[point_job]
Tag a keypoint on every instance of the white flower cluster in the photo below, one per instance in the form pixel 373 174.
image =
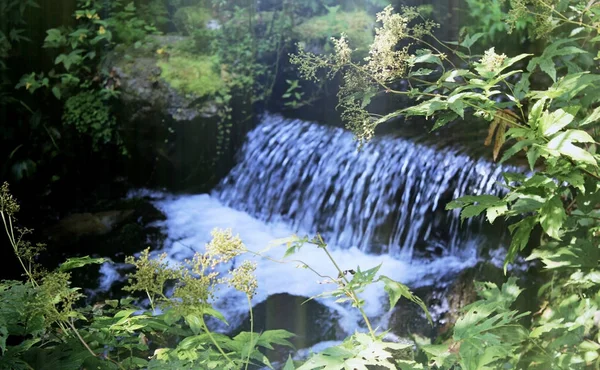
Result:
pixel 492 61
pixel 385 62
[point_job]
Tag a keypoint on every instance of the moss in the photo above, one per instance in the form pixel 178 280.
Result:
pixel 192 74
pixel 358 26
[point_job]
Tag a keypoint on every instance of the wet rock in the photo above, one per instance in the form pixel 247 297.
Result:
pixel 408 319
pixel 311 322
pixel 462 291
pixel 129 227
pixel 87 224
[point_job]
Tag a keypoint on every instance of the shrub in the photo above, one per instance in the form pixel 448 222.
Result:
pixel 357 25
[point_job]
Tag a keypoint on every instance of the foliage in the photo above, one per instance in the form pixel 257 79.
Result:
pixel 76 78
pixel 90 115
pixel 12 28
pixel 191 18
pixel 42 326
pixel 545 110
pixel 357 25
pixel 487 19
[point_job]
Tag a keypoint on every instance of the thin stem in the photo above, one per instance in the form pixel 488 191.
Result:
pixel 448 47
pixel 150 299
pixel 251 331
pixel 353 293
pixel 90 350
pixel 214 341
pixel 11 237
pixel 304 264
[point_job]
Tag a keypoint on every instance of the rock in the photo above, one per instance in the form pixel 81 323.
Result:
pixel 168 113
pixel 87 224
pixel 312 322
pixel 127 227
pixel 462 291
pixel 408 319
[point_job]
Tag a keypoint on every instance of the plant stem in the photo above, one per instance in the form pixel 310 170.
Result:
pixel 323 246
pixel 89 349
pixel 209 333
pixel 11 237
pixel 251 331
pixel 150 299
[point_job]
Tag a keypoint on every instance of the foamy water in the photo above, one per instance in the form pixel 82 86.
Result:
pixel 191 218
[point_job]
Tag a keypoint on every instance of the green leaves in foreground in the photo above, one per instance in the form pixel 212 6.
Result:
pixel 395 291
pixel 77 262
pixel 486 334
pixel 357 352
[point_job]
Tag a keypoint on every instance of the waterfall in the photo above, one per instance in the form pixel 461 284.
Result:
pixel 389 197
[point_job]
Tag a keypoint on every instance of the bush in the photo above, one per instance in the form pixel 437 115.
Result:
pixel 357 25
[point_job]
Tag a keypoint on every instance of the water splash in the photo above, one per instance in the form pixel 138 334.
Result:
pixel 387 198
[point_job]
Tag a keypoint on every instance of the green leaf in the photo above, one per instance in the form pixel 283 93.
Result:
pixel 3 337
pixel 195 323
pixel 532 156
pixel 545 61
pixel 470 40
pixel 593 117
pixel 536 112
pixel 458 107
pixel 551 123
pixel 515 149
pixel 425 56
pixel 396 290
pixel 496 211
pixel 56 92
pixel 563 144
pixel 421 72
pixel 289 364
pixel 520 237
pixel 77 262
pixel 522 87
pixel 472 211
pixel 588 200
pixel 552 217
pixel 443 119
pixel 214 313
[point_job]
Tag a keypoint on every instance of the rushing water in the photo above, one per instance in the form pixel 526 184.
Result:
pixel 387 198
pixel 300 177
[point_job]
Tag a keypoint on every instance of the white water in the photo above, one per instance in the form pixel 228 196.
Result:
pixel 375 206
pixel 191 218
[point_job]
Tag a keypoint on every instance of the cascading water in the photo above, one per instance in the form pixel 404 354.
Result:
pixel 295 176
pixel 388 197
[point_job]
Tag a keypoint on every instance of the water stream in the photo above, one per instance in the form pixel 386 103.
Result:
pixel 381 205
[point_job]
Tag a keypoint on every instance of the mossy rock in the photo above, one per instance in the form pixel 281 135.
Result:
pixel 357 25
pixel 192 74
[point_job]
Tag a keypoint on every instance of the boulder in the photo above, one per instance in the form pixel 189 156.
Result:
pixel 310 321
pixel 462 291
pixel 407 318
pixel 168 110
pixel 87 224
